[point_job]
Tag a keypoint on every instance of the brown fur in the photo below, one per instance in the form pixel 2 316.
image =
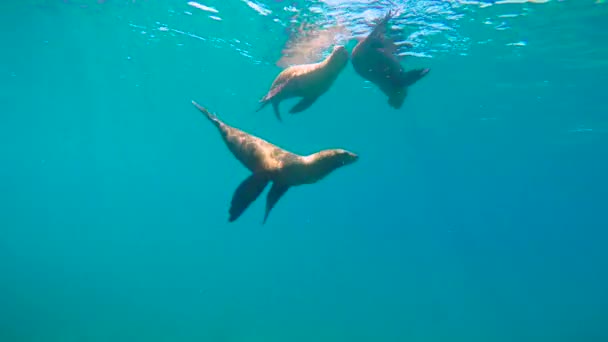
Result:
pixel 308 81
pixel 270 163
pixel 374 59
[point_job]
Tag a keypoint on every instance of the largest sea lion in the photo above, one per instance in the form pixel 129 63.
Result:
pixel 373 58
pixel 308 81
pixel 270 163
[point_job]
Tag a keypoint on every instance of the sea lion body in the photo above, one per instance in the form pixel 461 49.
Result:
pixel 308 81
pixel 374 59
pixel 270 163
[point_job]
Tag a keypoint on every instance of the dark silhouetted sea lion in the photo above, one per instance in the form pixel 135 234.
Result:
pixel 269 163
pixel 374 59
pixel 308 81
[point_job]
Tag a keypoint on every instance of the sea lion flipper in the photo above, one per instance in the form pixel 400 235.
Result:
pixel 276 192
pixel 380 27
pixel 262 105
pixel 389 46
pixel 246 193
pixel 277 113
pixel 408 78
pixel 303 104
pixel 212 117
pixel 276 88
pixel 270 98
pixel 378 40
pixel 275 108
pixel 397 97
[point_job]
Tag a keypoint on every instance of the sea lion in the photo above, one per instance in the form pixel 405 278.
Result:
pixel 373 58
pixel 308 81
pixel 269 163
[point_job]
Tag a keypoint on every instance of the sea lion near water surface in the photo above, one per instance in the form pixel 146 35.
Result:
pixel 308 81
pixel 270 163
pixel 374 59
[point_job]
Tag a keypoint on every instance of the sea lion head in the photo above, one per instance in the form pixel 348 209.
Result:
pixel 325 162
pixel 339 56
pixel 340 157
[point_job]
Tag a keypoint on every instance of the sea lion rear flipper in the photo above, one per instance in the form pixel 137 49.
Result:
pixel 380 27
pixel 246 193
pixel 378 40
pixel 276 192
pixel 275 89
pixel 277 113
pixel 262 105
pixel 212 117
pixel 275 108
pixel 397 98
pixel 303 104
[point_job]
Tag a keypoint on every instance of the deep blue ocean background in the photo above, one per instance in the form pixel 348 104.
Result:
pixel 477 212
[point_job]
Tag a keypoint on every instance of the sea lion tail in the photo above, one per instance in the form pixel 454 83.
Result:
pixel 208 114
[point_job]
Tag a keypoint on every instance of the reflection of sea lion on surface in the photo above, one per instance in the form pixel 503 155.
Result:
pixel 307 42
pixel 374 59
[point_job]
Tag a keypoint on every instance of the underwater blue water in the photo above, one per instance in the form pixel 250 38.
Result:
pixel 476 212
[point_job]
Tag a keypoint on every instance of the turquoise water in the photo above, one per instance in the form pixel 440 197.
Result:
pixel 477 212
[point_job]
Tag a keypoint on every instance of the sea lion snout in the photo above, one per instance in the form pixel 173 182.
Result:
pixel 340 52
pixel 352 156
pixel 347 157
pixel 339 48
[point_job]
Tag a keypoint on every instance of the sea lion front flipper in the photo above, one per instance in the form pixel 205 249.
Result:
pixel 408 78
pixel 276 192
pixel 303 104
pixel 246 193
pixel 388 46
